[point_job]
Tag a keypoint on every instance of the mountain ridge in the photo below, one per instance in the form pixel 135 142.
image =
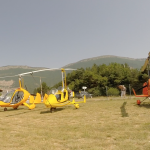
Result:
pixel 105 56
pixel 23 67
pixel 53 77
pixel 83 60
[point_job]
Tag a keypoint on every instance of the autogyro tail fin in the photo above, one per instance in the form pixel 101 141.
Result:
pixel 32 106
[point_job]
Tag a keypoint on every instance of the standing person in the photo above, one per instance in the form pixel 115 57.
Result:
pixel 123 91
pixel 121 88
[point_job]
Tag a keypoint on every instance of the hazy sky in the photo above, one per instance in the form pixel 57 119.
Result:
pixel 54 33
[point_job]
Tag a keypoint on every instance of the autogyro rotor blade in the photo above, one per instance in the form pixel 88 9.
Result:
pixel 141 88
pixel 69 69
pixel 9 76
pixel 23 74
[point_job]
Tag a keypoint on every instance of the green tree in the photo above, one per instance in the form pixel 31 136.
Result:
pixel 113 92
pixel 97 78
pixel 45 89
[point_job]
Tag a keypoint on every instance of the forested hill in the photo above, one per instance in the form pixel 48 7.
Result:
pixel 98 77
pixel 53 77
pixel 30 82
pixel 134 63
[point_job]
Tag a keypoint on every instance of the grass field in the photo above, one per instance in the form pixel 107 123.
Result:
pixel 112 124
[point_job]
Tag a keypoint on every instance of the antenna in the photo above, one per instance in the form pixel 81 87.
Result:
pixel 147 65
pixel 41 88
pixel 62 72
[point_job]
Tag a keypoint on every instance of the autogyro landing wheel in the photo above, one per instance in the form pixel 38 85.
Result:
pixel 5 109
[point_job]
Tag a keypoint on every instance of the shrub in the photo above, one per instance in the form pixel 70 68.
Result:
pixel 113 92
pixel 95 91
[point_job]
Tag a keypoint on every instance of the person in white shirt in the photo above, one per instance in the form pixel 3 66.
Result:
pixel 123 91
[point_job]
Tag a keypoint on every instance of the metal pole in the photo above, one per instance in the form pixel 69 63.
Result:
pixel 106 92
pixel 130 90
pixel 41 88
pixel 148 65
pixel 62 80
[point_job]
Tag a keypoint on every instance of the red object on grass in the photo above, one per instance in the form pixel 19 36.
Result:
pixel 138 102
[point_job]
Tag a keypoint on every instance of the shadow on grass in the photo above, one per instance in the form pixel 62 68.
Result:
pixel 146 105
pixel 27 111
pixel 11 110
pixel 17 114
pixel 54 110
pixel 123 110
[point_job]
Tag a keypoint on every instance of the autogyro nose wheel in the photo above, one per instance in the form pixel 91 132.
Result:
pixel 5 109
pixel 77 106
pixel 51 110
pixel 138 102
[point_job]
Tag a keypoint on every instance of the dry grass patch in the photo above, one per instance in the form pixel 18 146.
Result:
pixel 117 124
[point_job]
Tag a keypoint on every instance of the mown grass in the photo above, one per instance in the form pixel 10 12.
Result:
pixel 113 124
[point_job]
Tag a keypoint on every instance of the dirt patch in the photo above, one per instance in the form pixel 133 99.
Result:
pixel 4 83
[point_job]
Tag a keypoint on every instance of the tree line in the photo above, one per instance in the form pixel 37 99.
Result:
pixel 98 78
